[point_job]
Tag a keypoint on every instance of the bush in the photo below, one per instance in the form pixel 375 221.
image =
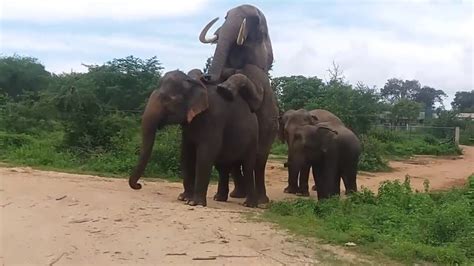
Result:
pixel 371 158
pixel 398 222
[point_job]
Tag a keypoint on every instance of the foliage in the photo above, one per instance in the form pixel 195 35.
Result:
pixel 372 159
pixel 398 222
pixel 464 101
pixel 405 110
pixel 346 103
pixel 20 75
pixel 296 92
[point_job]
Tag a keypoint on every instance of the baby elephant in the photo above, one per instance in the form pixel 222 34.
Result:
pixel 331 149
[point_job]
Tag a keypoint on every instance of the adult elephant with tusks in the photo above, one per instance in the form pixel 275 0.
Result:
pixel 243 39
pixel 214 131
pixel 244 46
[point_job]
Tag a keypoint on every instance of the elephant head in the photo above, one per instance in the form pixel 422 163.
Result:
pixel 291 120
pixel 178 100
pixel 242 39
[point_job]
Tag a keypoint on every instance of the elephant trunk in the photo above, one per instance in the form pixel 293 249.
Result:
pixel 227 39
pixel 151 120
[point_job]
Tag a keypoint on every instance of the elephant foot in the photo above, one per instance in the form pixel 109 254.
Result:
pixel 250 203
pixel 303 193
pixel 263 199
pixel 185 196
pixel 238 194
pixel 313 188
pixel 220 197
pixel 290 190
pixel 197 201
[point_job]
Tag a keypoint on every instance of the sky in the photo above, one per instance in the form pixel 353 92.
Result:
pixel 371 40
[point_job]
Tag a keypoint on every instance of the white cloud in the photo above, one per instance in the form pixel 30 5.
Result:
pixel 63 10
pixel 404 44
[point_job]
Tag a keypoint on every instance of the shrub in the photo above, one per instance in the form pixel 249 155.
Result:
pixel 371 158
pixel 398 222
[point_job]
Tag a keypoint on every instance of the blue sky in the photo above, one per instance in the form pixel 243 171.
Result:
pixel 372 41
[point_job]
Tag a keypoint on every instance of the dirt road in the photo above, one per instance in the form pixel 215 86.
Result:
pixel 51 218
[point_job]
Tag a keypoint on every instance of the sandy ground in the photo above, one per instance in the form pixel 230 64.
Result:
pixel 52 218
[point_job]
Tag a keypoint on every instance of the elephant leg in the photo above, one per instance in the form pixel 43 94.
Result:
pixel 205 158
pixel 260 165
pixel 223 185
pixel 328 181
pixel 188 164
pixel 349 176
pixel 303 189
pixel 248 167
pixel 239 184
pixel 313 168
pixel 293 172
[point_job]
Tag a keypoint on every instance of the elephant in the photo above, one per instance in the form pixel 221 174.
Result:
pixel 301 117
pixel 347 140
pixel 263 100
pixel 242 39
pixel 330 148
pixel 214 132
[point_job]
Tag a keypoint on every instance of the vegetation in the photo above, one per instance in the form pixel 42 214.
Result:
pixel 398 222
pixel 90 121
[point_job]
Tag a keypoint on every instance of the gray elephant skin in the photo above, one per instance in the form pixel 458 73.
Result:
pixel 244 46
pixel 241 40
pixel 214 132
pixel 331 149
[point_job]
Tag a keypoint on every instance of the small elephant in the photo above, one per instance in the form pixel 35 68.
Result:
pixel 302 117
pixel 214 132
pixel 331 149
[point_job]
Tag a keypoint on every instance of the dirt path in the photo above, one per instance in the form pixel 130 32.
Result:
pixel 51 218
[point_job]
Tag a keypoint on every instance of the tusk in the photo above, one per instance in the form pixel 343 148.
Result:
pixel 202 36
pixel 242 32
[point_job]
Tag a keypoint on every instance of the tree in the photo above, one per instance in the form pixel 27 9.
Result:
pixel 428 97
pixel 205 70
pixel 356 107
pixel 463 101
pixel 296 92
pixel 396 89
pixel 19 75
pixel 405 111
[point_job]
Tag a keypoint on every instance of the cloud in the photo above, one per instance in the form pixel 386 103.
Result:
pixel 60 10
pixel 404 41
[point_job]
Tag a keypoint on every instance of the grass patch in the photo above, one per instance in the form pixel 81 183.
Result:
pixel 398 222
pixel 47 152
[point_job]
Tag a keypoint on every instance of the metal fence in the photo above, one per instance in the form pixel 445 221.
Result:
pixel 443 134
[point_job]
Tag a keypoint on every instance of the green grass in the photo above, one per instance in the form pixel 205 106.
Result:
pixel 397 222
pixel 46 151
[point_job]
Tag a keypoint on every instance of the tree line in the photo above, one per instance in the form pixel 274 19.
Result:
pixel 99 111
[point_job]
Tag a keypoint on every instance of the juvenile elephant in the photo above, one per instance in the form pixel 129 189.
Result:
pixel 243 39
pixel 214 132
pixel 302 117
pixel 331 149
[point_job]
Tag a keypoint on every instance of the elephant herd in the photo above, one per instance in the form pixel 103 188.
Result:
pixel 230 118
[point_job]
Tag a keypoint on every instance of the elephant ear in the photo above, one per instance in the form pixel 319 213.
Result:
pixel 198 98
pixel 327 140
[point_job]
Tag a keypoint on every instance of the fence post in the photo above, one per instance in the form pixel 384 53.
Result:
pixel 456 135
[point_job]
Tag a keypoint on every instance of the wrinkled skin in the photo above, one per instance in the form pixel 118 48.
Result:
pixel 254 46
pixel 332 152
pixel 293 119
pixel 264 104
pixel 299 118
pixel 214 132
